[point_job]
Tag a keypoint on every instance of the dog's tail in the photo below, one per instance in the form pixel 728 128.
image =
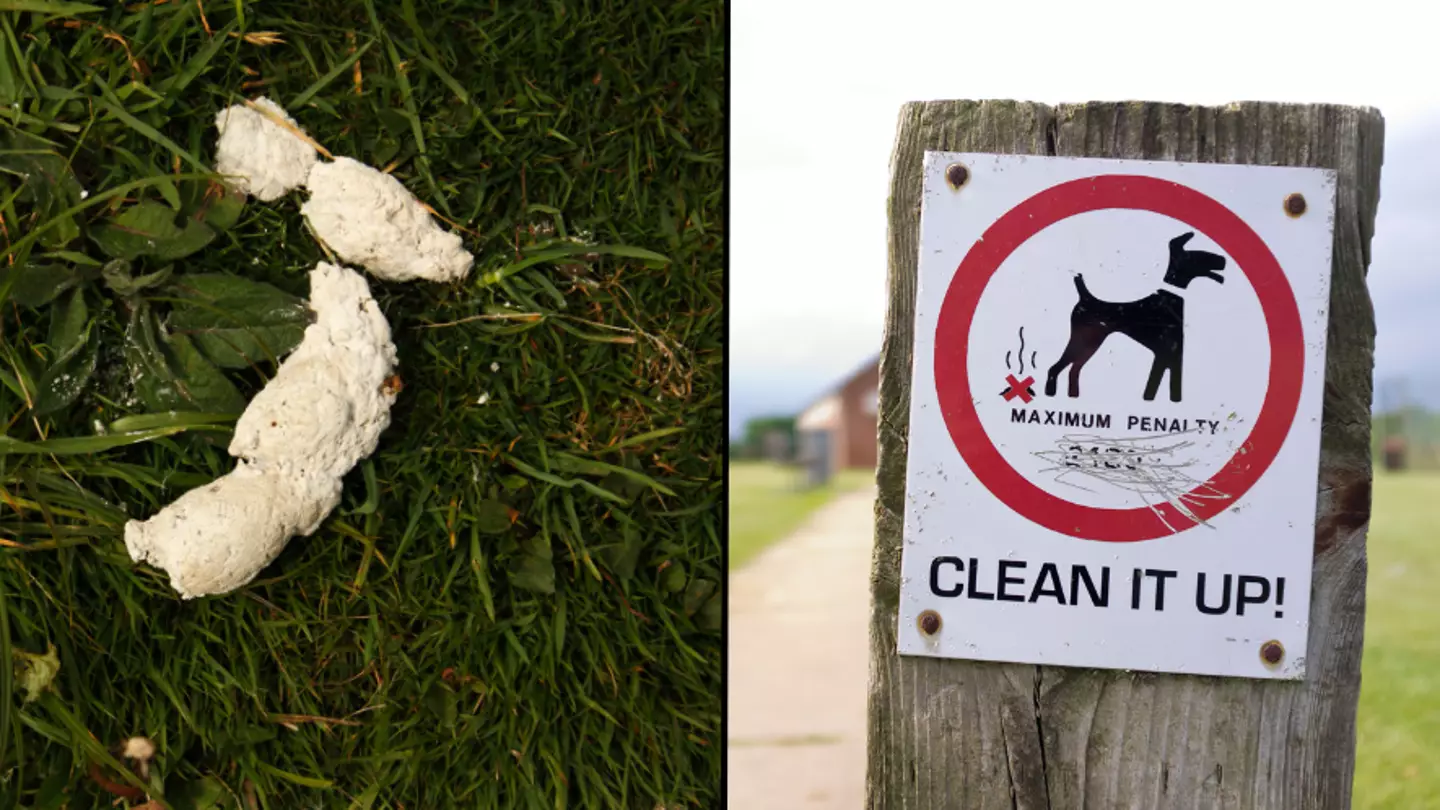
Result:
pixel 1082 289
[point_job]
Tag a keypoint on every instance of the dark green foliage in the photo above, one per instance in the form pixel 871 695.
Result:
pixel 517 604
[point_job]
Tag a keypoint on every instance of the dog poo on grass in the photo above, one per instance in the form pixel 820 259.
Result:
pixel 330 399
pixel 264 158
pixel 321 414
pixel 369 218
pixel 216 538
pixel 328 403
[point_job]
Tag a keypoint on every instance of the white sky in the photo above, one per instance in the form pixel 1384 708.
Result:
pixel 816 88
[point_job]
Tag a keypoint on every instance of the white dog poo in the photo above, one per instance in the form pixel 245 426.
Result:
pixel 264 159
pixel 369 218
pixel 330 399
pixel 216 538
pixel 326 407
pixel 321 414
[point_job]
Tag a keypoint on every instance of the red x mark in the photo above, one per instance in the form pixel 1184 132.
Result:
pixel 1019 388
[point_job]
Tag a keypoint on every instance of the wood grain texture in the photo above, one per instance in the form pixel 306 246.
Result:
pixel 975 735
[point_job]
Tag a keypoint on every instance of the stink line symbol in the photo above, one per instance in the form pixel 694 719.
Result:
pixel 1019 388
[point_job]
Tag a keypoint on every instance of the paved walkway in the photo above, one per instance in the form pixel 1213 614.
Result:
pixel 799 665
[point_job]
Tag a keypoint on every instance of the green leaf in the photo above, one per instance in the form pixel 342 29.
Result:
pixel 440 702
pixel 212 287
pixel 212 203
pixel 54 792
pixel 191 239
pixel 237 322
pixel 493 517
pixel 137 231
pixel 536 568
pixel 38 284
pixel 67 323
pixel 170 374
pixel 514 482
pixel 154 279
pixel 672 578
pixel 207 793
pixel 148 228
pixel 150 371
pixel 48 183
pixel 695 596
pixel 73 359
pixel 117 276
pixel 204 387
pixel 81 259
pixel 165 187
pixel 712 615
pixel 20 247
pixel 65 380
pixel 34 672
pixel 621 558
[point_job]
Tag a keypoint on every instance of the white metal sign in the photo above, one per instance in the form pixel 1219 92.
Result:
pixel 1115 413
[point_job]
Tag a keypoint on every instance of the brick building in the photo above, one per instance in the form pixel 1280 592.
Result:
pixel 842 424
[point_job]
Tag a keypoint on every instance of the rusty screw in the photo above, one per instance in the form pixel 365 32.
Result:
pixel 1295 204
pixel 1272 652
pixel 956 175
pixel 929 622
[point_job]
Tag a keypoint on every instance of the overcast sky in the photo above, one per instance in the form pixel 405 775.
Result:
pixel 817 86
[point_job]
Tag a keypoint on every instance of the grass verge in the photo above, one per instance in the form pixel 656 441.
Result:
pixel 767 503
pixel 1399 719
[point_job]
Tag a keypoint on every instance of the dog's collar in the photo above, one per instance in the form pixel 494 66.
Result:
pixel 1178 292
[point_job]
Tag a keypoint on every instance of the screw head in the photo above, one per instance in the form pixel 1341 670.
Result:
pixel 1295 204
pixel 929 622
pixel 956 175
pixel 1272 652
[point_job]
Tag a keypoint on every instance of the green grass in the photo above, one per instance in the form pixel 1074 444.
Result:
pixel 767 503
pixel 1399 719
pixel 1399 715
pixel 517 603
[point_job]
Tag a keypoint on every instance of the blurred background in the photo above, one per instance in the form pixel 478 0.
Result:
pixel 816 91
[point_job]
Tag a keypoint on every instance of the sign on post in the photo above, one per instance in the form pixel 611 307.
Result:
pixel 1115 413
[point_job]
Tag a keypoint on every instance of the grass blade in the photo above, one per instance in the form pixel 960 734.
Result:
pixel 553 253
pixel 49 7
pixel 324 81
pixel 197 65
pixel 111 103
pixel 84 445
pixel 585 466
pixel 153 421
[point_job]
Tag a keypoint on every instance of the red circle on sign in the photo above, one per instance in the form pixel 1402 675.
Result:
pixel 1282 322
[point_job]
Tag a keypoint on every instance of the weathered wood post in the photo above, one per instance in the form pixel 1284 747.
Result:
pixel 970 734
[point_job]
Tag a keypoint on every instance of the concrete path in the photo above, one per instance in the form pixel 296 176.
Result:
pixel 799 665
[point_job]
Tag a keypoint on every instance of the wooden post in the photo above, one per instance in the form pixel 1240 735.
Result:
pixel 972 735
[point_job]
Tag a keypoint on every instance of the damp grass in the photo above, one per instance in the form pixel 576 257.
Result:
pixel 517 602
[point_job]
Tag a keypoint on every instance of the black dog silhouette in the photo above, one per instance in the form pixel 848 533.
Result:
pixel 1156 321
